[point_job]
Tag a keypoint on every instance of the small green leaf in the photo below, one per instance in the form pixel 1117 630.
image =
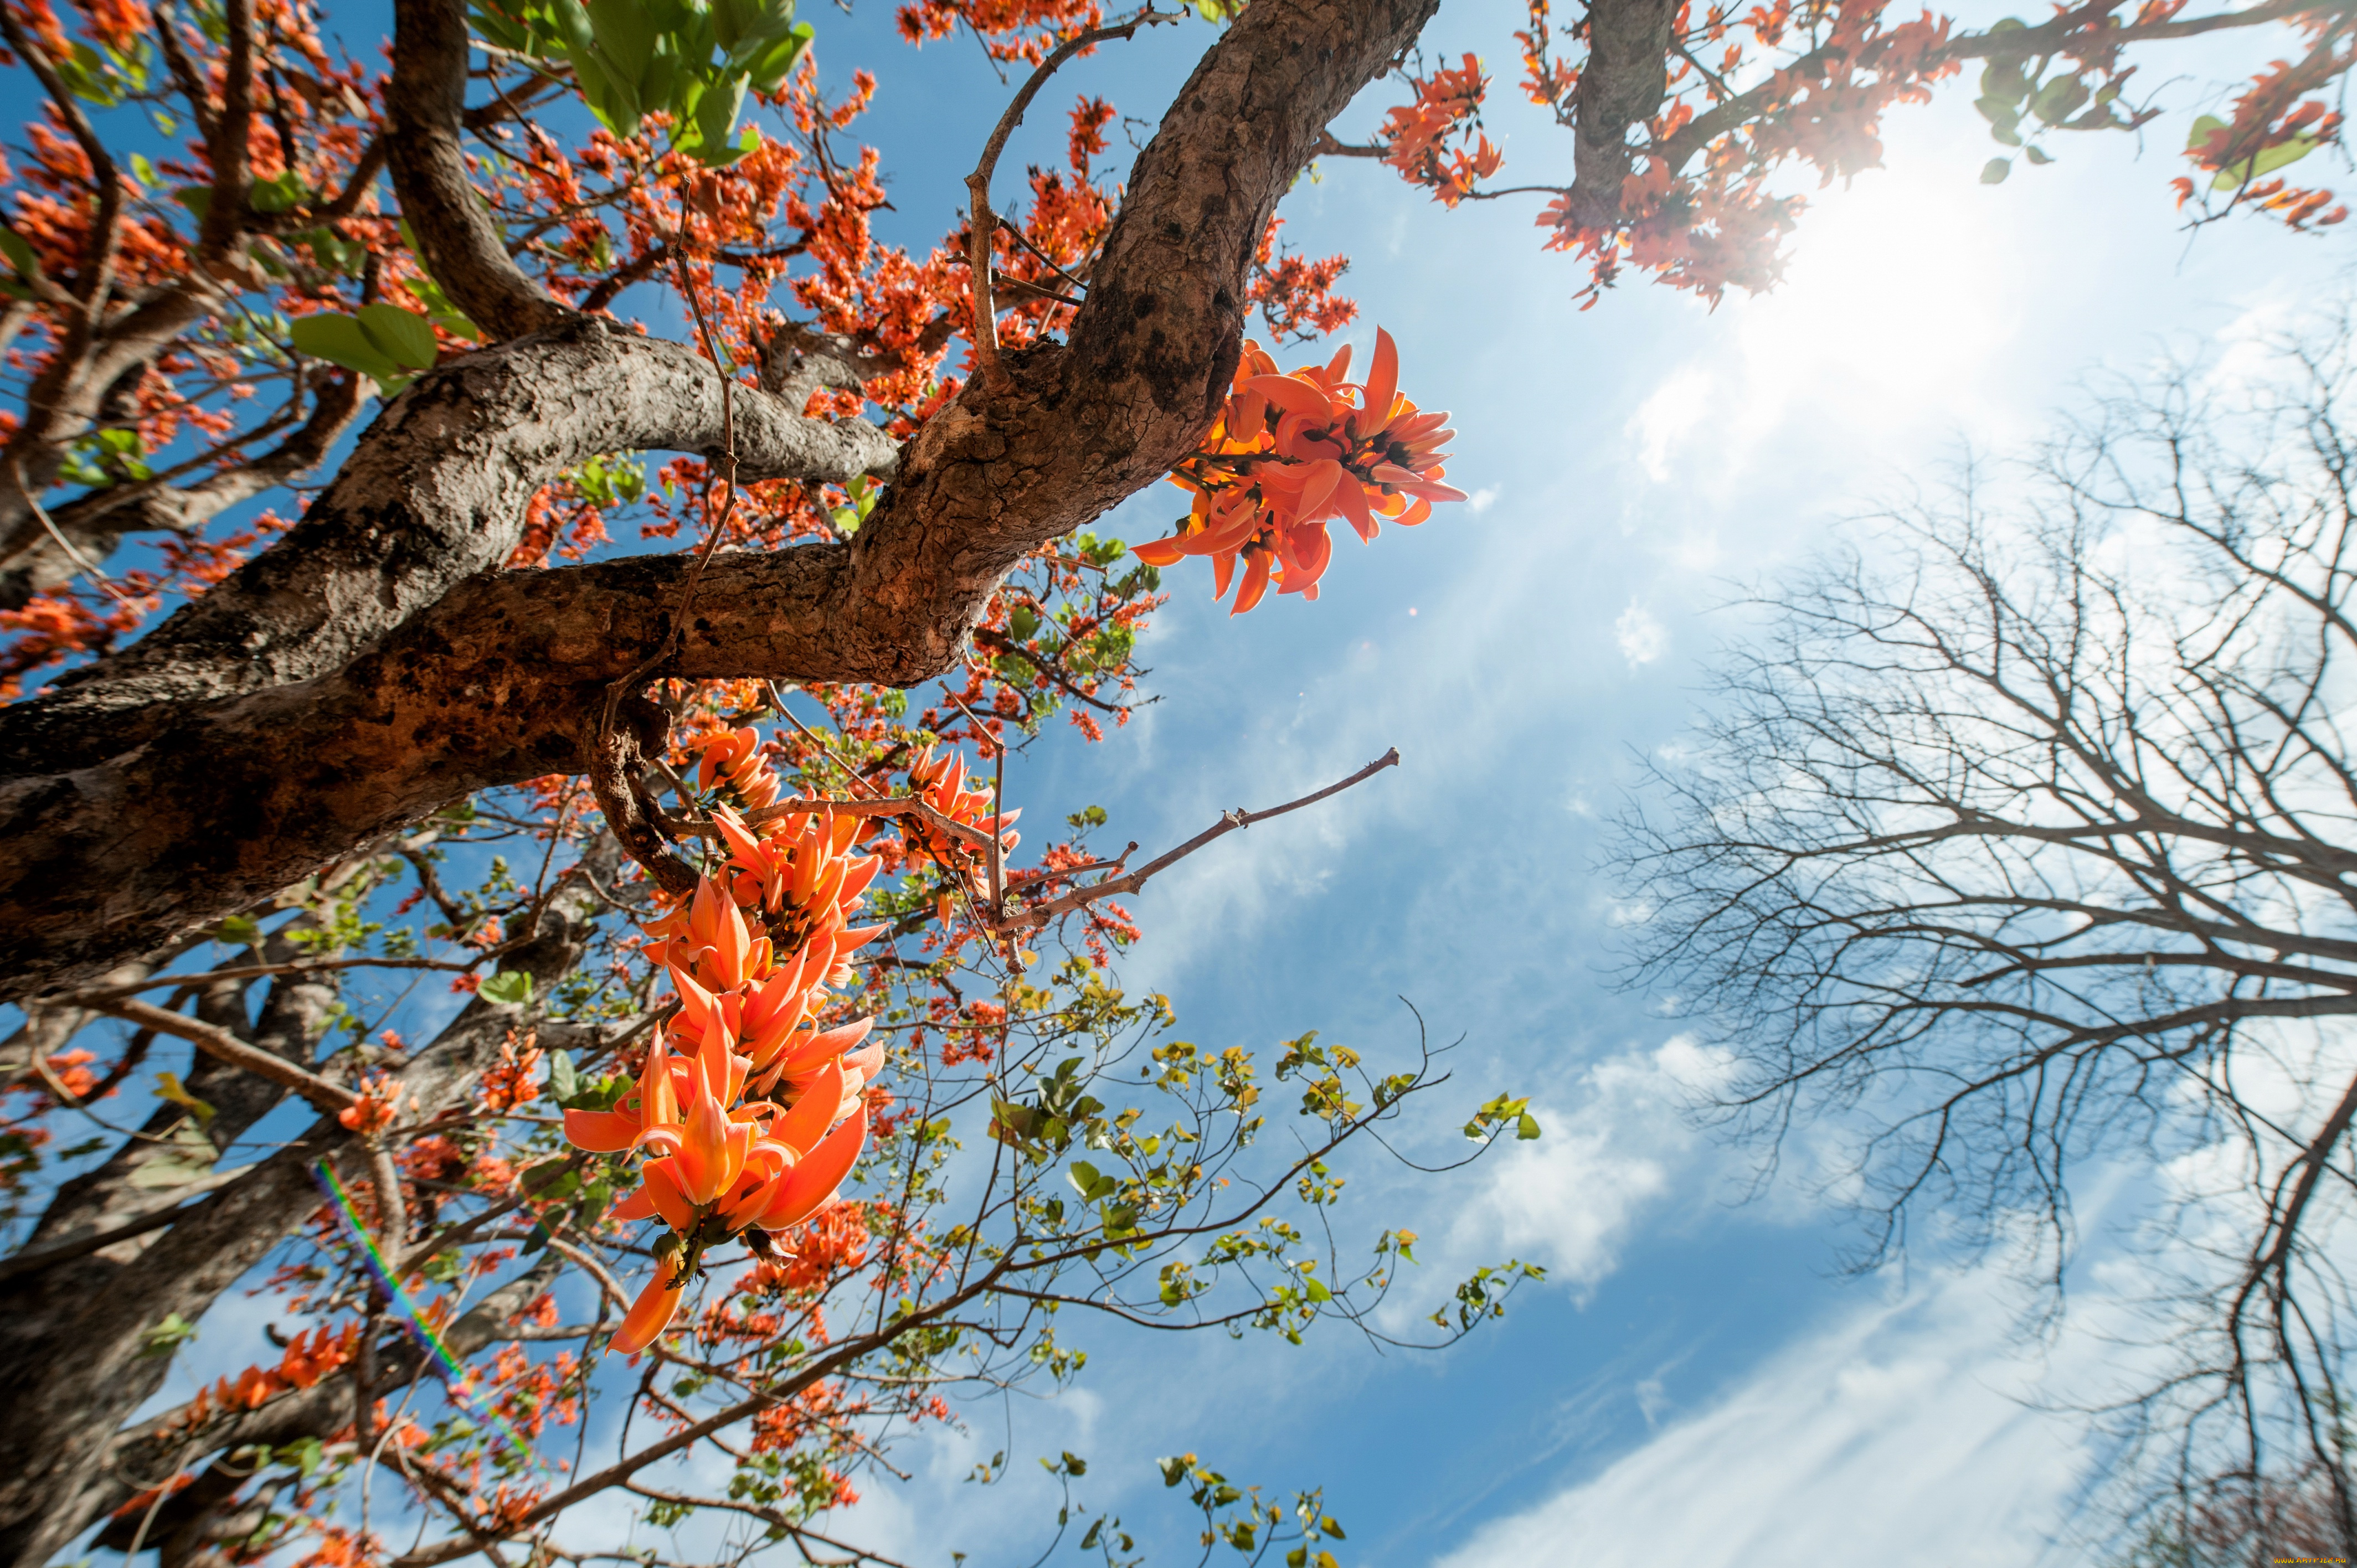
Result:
pixel 165 1337
pixel 1994 171
pixel 563 1083
pixel 2038 155
pixel 280 195
pixel 339 340
pixel 402 336
pixel 183 1159
pixel 2264 163
pixel 20 254
pixel 509 987
pixel 238 931
pixel 2059 99
pixel 1527 1127
pixel 167 1088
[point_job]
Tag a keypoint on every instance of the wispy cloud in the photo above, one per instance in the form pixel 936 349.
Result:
pixel 1641 638
pixel 1895 1435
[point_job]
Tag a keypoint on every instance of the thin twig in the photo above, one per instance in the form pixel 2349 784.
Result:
pixel 984 224
pixel 97 579
pixel 225 1046
pixel 1064 904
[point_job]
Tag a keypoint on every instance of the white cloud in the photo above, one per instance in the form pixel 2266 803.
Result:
pixel 1667 417
pixel 1481 501
pixel 1614 1145
pixel 1891 1437
pixel 1641 638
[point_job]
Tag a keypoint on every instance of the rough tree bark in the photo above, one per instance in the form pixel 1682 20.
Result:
pixel 377 662
pixel 72 1334
pixel 343 682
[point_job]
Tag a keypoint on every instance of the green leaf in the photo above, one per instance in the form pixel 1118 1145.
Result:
pixel 1527 1128
pixel 562 1083
pixel 238 931
pixel 715 120
pixel 2264 163
pixel 612 99
pixel 1074 1464
pixel 168 1089
pixel 768 70
pixel 509 987
pixel 339 340
pixel 2059 99
pixel 279 195
pixel 20 254
pixel 402 336
pixel 1174 1468
pixel 185 1159
pixel 625 33
pixel 2207 126
pixel 2038 155
pixel 165 1337
pixel 1994 171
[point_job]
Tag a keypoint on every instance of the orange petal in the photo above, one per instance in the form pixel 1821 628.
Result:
pixel 1295 397
pixel 1255 582
pixel 658 1105
pixel 640 1205
pixel 812 1182
pixel 650 1315
pixel 601 1131
pixel 1160 552
pixel 1352 500
pixel 800 1128
pixel 808 1051
pixel 664 1192
pixel 1383 378
pixel 702 1163
pixel 866 1061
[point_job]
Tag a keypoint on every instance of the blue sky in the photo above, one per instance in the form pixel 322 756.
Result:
pixel 1696 1383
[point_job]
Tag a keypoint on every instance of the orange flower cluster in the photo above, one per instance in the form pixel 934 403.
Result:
pixel 757 1115
pixel 940 783
pixel 309 1356
pixel 1447 103
pixel 513 1080
pixel 1293 452
pixel 375 1108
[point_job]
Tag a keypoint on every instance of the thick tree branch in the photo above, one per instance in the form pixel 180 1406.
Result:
pixel 426 105
pixel 291 680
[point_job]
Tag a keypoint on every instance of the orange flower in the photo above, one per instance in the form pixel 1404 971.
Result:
pixel 1291 454
pixel 650 1315
pixel 735 756
pixel 720 1162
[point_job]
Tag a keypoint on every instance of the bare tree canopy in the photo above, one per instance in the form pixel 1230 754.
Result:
pixel 2024 837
